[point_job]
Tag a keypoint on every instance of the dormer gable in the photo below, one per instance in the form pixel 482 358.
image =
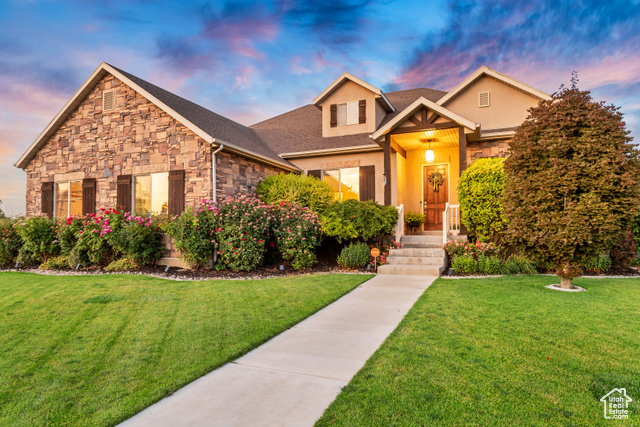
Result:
pixel 351 106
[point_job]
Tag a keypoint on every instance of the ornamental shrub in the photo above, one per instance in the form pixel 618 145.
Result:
pixel 122 264
pixel 455 248
pixel 10 242
pixel 78 257
pixel 572 181
pixel 305 191
pixel 352 219
pixel 194 233
pixel 465 264
pixel 38 235
pixel 598 265
pixel 244 225
pixel 489 265
pixel 356 255
pixel 624 251
pixel 480 191
pixel 67 233
pixel 56 263
pixel 297 233
pixel 140 240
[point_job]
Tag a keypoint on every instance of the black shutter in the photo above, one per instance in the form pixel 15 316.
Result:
pixel 124 192
pixel 334 115
pixel 315 173
pixel 367 183
pixel 362 110
pixel 88 196
pixel 46 201
pixel 176 192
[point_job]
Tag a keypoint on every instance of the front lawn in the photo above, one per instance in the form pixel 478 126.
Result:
pixel 502 351
pixel 95 350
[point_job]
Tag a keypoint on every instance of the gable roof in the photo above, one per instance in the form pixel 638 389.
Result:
pixel 417 105
pixel 208 125
pixel 486 71
pixel 343 78
pixel 299 132
pixel 622 391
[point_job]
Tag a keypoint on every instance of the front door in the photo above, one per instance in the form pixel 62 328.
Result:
pixel 436 195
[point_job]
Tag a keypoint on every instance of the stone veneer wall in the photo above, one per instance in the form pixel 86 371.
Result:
pixel 494 148
pixel 136 137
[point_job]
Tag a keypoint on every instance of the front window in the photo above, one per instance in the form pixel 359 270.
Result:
pixel 151 194
pixel 347 114
pixel 345 183
pixel 68 199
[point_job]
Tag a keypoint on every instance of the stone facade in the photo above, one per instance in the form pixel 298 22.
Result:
pixel 493 148
pixel 136 137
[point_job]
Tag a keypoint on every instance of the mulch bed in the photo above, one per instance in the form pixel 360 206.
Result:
pixel 176 273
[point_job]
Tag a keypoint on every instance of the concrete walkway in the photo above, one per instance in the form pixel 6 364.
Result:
pixel 292 379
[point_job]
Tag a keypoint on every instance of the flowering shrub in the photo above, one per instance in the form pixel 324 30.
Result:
pixel 194 233
pixel 297 233
pixel 67 232
pixel 38 234
pixel 456 248
pixel 98 238
pixel 384 251
pixel 244 223
pixel 139 240
pixel 10 242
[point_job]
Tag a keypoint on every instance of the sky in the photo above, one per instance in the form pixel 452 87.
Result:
pixel 253 60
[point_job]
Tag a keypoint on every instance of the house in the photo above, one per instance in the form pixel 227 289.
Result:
pixel 123 141
pixel 616 404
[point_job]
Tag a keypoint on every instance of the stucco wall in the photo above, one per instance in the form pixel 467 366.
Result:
pixel 507 106
pixel 350 92
pixel 134 138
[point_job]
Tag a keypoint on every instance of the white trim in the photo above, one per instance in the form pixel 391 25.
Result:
pixel 329 151
pixel 88 85
pixel 414 107
pixel 346 76
pixel 486 71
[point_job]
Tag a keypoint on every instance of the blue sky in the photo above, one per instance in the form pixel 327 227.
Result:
pixel 253 60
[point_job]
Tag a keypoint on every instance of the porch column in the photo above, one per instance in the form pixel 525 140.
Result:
pixel 462 159
pixel 462 149
pixel 387 169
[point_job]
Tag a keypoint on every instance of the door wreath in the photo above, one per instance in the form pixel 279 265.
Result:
pixel 436 180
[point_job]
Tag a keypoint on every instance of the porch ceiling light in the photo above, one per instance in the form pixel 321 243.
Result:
pixel 430 155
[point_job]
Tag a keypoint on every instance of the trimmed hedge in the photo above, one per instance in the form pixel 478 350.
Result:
pixel 305 191
pixel 480 190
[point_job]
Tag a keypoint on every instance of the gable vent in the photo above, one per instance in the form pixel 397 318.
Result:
pixel 483 99
pixel 108 100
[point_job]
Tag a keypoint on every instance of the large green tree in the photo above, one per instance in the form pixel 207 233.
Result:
pixel 572 181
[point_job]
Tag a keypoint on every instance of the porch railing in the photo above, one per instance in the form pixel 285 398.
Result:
pixel 400 224
pixel 450 221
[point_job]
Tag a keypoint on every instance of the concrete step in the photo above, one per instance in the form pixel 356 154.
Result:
pixel 406 260
pixel 421 242
pixel 411 270
pixel 417 252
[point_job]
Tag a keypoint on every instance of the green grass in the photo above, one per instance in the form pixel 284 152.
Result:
pixel 502 351
pixel 95 350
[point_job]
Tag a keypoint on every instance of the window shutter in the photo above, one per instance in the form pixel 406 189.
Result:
pixel 367 183
pixel 334 115
pixel 363 111
pixel 317 173
pixel 46 202
pixel 88 196
pixel 124 192
pixel 176 192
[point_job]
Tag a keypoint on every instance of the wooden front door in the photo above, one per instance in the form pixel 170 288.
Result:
pixel 436 195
